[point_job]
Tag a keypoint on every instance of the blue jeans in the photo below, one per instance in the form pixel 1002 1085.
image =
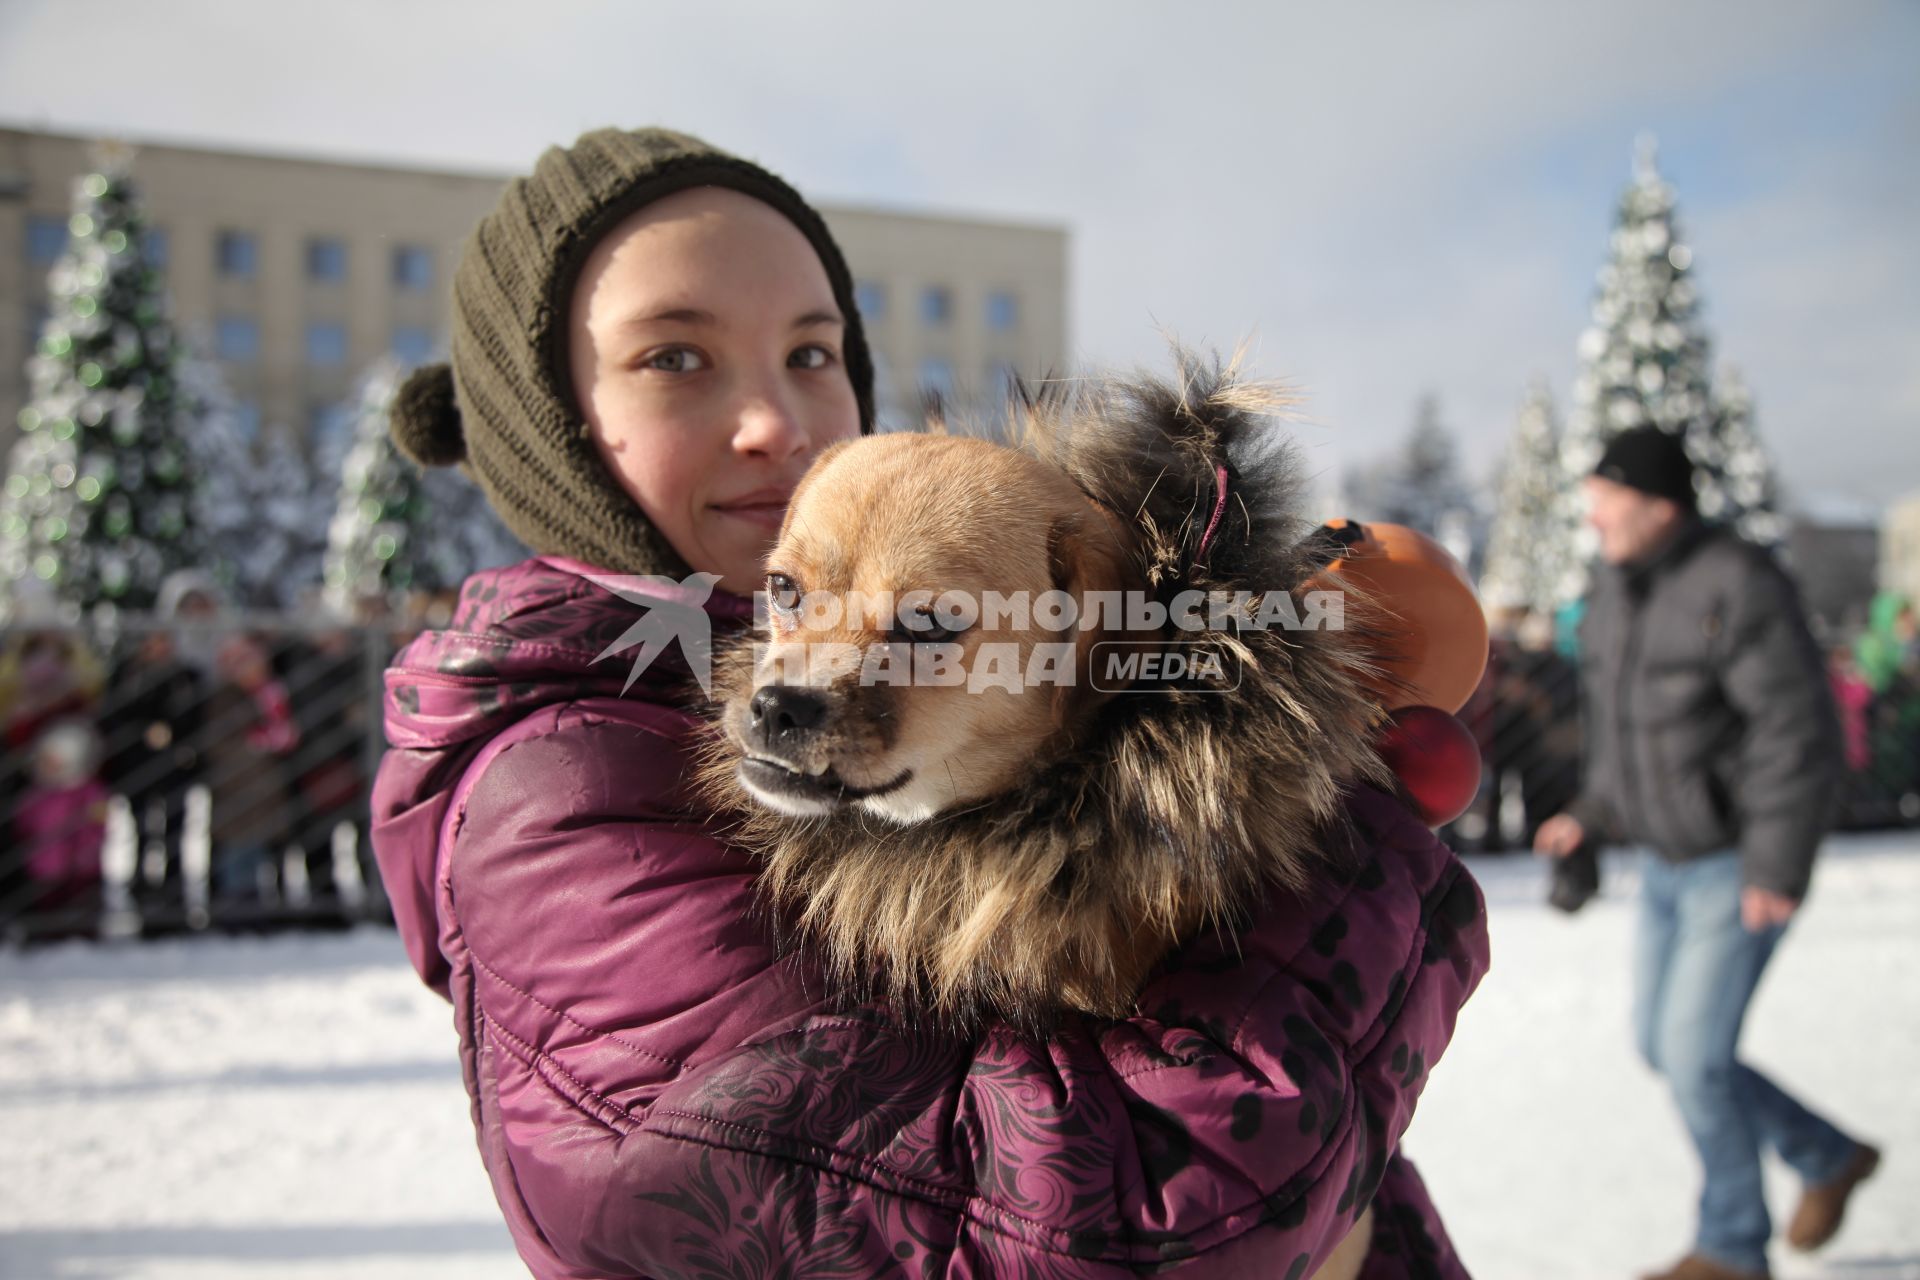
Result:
pixel 1695 969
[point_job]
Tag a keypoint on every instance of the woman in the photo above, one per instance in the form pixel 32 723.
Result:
pixel 652 341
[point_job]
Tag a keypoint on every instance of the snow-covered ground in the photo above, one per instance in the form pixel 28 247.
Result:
pixel 224 1108
pixel 1554 1154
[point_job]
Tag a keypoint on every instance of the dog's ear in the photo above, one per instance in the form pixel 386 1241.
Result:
pixel 1086 555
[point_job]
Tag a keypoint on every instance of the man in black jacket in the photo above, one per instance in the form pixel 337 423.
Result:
pixel 1711 740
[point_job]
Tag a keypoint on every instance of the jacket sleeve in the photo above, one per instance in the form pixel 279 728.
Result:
pixel 1594 812
pixel 1789 757
pixel 737 1122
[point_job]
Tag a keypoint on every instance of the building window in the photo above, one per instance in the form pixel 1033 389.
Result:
pixel 1003 311
pixel 326 342
pixel 411 344
pixel 412 267
pixel 936 306
pixel 157 247
pixel 236 338
pixel 1001 380
pixel 246 419
pixel 327 260
pixel 36 321
pixel 936 379
pixel 870 299
pixel 46 239
pixel 237 255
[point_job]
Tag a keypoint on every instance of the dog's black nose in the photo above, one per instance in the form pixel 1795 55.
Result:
pixel 782 712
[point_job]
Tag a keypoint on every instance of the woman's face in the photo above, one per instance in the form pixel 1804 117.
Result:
pixel 706 351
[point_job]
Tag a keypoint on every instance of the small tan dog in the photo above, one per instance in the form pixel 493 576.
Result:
pixel 1031 844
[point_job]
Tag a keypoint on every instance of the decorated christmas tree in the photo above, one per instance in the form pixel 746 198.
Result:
pixel 1528 551
pixel 396 531
pixel 1646 359
pixel 1739 485
pixel 376 537
pixel 98 501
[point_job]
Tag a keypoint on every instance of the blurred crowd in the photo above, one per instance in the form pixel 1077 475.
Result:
pixel 1876 688
pixel 236 753
pixel 1526 711
pixel 273 726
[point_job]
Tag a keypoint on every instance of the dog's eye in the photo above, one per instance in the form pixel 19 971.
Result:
pixel 923 627
pixel 783 593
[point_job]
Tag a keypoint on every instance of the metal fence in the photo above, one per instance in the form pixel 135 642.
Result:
pixel 161 778
pixel 168 778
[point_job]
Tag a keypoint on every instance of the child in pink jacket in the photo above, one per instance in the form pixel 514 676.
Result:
pixel 652 341
pixel 61 824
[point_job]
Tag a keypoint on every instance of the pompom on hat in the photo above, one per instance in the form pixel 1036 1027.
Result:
pixel 505 407
pixel 426 418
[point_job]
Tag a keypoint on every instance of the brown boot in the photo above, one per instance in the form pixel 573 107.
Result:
pixel 1697 1267
pixel 1821 1208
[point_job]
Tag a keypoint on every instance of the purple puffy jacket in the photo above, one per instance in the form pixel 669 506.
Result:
pixel 657 1094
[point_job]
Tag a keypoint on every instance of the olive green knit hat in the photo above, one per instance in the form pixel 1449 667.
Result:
pixel 505 408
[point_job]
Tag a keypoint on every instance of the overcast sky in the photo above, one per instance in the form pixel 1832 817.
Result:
pixel 1387 199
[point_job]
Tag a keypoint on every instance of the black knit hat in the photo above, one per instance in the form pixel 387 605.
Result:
pixel 505 407
pixel 1650 460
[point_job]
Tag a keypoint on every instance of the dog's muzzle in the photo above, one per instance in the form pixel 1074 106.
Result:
pixel 782 717
pixel 785 765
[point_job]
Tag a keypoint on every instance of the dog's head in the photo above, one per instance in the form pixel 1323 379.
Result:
pixel 917 657
pixel 1062 843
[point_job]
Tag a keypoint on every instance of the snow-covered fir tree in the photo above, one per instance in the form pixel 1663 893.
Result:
pixel 221 457
pixel 1420 485
pixel 261 508
pixel 394 530
pixel 466 536
pixel 294 506
pixel 98 501
pixel 1528 550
